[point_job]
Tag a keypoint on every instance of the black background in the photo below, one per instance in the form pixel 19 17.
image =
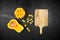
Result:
pixel 51 32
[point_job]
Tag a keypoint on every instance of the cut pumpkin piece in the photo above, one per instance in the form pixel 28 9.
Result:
pixel 13 24
pixel 19 13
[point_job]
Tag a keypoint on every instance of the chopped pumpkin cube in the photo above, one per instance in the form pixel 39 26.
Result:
pixel 30 15
pixel 23 20
pixel 24 25
pixel 30 19
pixel 28 29
pixel 27 20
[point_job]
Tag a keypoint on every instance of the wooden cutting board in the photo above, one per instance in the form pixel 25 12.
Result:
pixel 41 18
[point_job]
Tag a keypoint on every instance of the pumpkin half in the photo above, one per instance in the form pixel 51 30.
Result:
pixel 14 25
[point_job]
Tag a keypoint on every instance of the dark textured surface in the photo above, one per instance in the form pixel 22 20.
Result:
pixel 49 33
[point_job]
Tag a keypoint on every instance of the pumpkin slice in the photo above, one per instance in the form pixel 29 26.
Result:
pixel 19 13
